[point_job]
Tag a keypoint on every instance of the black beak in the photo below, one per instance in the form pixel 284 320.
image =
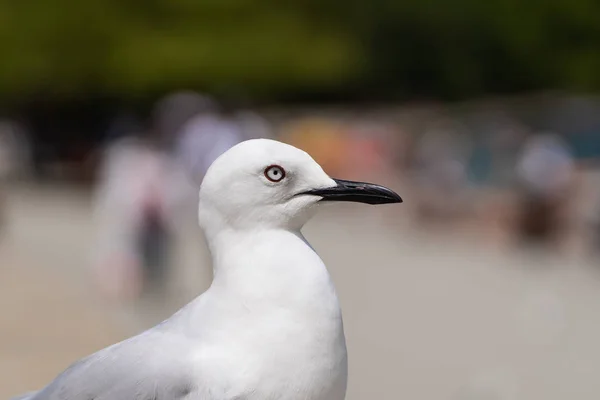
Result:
pixel 359 192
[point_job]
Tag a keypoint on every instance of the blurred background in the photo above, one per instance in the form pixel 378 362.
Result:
pixel 484 116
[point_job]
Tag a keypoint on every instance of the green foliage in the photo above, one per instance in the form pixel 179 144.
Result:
pixel 384 48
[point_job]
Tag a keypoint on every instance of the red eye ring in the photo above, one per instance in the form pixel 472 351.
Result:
pixel 274 173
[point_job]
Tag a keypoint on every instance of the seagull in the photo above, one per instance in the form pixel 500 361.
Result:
pixel 270 325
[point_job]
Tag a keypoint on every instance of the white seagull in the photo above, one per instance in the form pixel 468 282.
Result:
pixel 270 325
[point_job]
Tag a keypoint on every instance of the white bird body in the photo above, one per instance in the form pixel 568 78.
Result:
pixel 270 325
pixel 286 328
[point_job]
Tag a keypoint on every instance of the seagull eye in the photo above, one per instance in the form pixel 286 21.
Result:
pixel 274 173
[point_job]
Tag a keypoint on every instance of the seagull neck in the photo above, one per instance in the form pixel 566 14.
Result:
pixel 265 260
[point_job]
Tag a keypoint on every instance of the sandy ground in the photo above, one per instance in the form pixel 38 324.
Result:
pixel 427 316
pixel 46 318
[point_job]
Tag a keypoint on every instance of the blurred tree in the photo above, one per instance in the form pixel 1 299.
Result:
pixel 132 47
pixel 380 48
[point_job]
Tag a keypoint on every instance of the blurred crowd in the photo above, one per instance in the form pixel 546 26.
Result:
pixel 524 180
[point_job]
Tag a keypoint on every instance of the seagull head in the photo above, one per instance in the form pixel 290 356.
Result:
pixel 263 183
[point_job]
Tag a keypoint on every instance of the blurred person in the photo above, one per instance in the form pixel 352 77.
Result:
pixel 545 173
pixel 138 190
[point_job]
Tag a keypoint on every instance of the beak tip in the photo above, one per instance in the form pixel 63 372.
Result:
pixel 394 198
